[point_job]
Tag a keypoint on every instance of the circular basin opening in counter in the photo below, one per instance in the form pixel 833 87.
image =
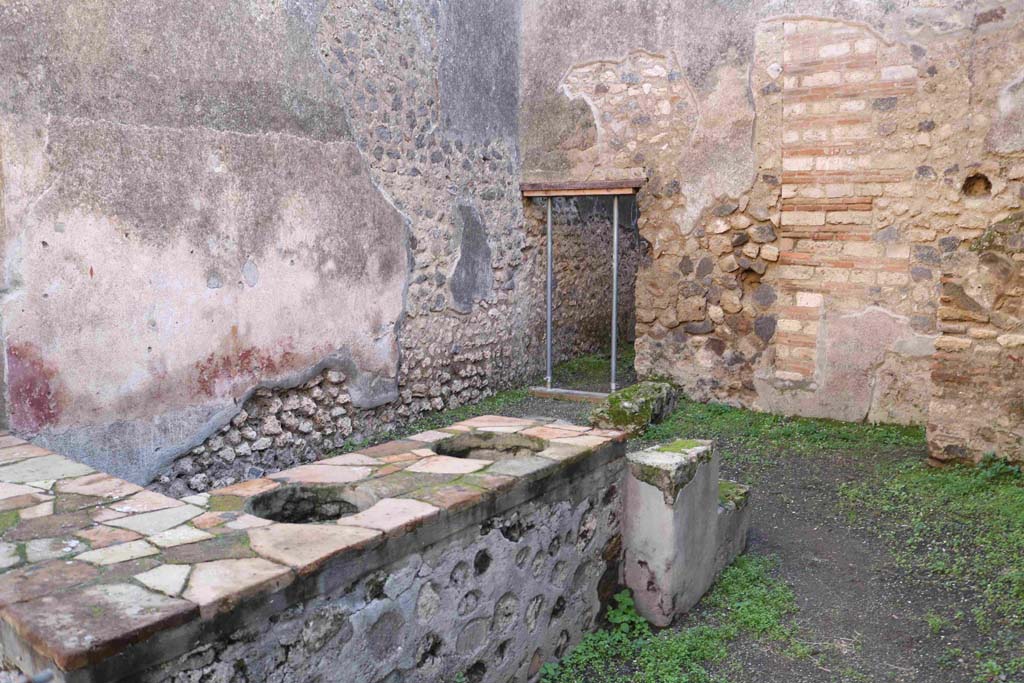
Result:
pixel 489 446
pixel 303 504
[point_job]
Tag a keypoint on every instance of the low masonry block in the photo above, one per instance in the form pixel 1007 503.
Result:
pixel 525 545
pixel 733 522
pixel 681 527
pixel 481 550
pixel 633 408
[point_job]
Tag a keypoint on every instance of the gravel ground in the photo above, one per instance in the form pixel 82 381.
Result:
pixel 863 618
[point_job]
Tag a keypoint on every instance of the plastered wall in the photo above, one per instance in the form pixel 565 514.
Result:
pixel 237 234
pixel 814 175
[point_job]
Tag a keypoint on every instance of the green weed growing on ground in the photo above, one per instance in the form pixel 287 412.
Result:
pixel 935 622
pixel 962 527
pixel 745 600
pixel 596 365
pixel 762 434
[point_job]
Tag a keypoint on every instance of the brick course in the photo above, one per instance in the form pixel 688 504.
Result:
pixel 815 288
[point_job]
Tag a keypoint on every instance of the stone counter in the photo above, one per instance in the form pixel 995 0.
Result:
pixel 397 562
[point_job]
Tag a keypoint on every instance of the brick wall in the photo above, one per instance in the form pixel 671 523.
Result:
pixel 806 195
pixel 837 93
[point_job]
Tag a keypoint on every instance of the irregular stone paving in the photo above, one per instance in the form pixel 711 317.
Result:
pixel 119 553
pixel 93 621
pixel 306 547
pixel 167 578
pixel 90 564
pixel 443 464
pixel 42 468
pixel 393 515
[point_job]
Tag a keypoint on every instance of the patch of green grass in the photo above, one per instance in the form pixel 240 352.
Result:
pixel 745 600
pixel 962 527
pixel 951 657
pixel 755 435
pixel 1000 658
pixel 731 492
pixel 935 623
pixel 750 598
pixel 595 366
pixel 993 670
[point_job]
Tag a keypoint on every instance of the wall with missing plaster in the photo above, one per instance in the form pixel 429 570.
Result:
pixel 180 230
pixel 811 172
pixel 238 236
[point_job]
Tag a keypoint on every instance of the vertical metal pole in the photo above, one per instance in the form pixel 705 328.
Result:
pixel 547 377
pixel 615 281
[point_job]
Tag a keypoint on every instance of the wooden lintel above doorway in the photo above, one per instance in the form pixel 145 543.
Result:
pixel 580 188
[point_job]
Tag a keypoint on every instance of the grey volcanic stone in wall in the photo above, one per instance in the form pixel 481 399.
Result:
pixel 493 601
pixel 583 271
pixel 424 122
pixel 233 200
pixel 730 265
pixel 473 277
pixel 473 318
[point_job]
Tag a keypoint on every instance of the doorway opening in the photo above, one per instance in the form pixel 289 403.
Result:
pixel 610 207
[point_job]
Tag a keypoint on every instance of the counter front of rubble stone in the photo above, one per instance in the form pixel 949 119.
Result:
pixel 103 579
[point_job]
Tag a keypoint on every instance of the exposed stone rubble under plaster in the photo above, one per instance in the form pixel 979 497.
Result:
pixel 486 548
pixel 814 184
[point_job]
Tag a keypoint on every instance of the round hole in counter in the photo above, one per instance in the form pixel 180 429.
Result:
pixel 303 504
pixel 489 446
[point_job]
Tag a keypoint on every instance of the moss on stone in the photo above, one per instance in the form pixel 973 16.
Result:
pixel 8 519
pixel 669 482
pixel 633 408
pixel 732 494
pixel 1006 236
pixel 226 503
pixel 464 481
pixel 679 445
pixel 668 469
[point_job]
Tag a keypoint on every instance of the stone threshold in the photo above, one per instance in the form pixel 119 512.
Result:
pixel 576 395
pixel 102 579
